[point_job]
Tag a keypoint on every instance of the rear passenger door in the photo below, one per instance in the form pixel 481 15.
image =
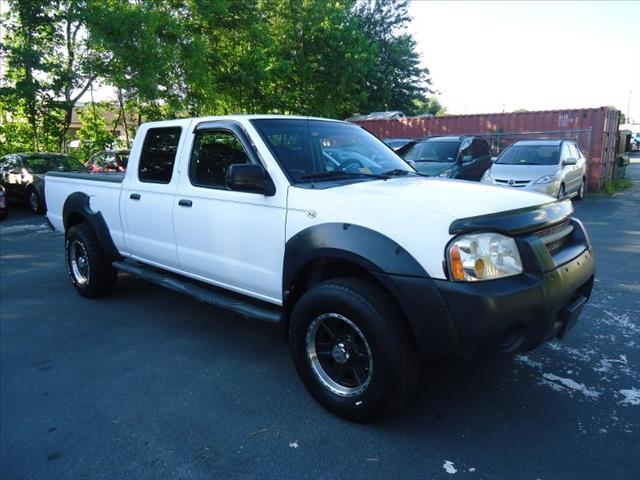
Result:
pixel 147 196
pixel 228 238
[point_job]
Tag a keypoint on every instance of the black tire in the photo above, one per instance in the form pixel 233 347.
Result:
pixel 94 276
pixel 561 192
pixel 394 361
pixel 580 194
pixel 34 201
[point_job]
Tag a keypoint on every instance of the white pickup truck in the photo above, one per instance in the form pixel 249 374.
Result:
pixel 317 225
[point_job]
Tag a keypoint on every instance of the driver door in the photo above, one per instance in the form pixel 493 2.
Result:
pixel 228 238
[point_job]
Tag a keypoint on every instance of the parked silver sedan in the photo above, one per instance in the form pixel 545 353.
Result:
pixel 555 167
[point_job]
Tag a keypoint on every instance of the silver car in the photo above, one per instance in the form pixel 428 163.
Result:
pixel 555 167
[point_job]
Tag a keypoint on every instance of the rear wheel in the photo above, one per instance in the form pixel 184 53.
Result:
pixel 352 349
pixel 89 268
pixel 35 201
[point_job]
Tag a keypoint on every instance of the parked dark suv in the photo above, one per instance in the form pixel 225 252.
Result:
pixel 22 175
pixel 462 157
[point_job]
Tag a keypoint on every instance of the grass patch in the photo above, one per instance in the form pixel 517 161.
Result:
pixel 616 185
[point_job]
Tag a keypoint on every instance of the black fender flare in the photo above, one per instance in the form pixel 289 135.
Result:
pixel 394 267
pixel 79 203
pixel 362 246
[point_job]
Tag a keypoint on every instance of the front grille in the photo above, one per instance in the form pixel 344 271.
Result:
pixel 556 236
pixel 512 183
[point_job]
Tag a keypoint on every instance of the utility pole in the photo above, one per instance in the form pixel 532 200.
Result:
pixel 628 106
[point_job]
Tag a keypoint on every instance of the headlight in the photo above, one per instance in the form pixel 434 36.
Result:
pixel 546 179
pixel 483 256
pixel 486 177
pixel 448 173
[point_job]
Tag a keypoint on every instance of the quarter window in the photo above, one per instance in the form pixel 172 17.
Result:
pixel 213 153
pixel 158 155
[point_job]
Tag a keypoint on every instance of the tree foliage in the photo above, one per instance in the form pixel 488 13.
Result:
pixel 94 134
pixel 174 58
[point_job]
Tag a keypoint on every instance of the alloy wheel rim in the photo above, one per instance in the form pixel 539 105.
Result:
pixel 339 355
pixel 79 260
pixel 33 201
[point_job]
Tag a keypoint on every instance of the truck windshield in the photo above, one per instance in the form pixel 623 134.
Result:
pixel 433 151
pixel 320 150
pixel 530 155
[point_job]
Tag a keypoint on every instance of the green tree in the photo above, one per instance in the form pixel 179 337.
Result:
pixel 24 90
pixel 94 134
pixel 397 79
pixel 426 106
pixel 50 64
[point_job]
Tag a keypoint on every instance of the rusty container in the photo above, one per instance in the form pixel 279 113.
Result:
pixel 595 130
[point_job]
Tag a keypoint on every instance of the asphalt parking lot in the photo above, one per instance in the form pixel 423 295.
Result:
pixel 148 384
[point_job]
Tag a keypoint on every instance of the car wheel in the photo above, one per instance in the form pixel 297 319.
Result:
pixel 35 201
pixel 89 268
pixel 352 349
pixel 561 192
pixel 581 190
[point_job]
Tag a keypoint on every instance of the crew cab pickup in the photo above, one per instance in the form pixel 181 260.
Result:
pixel 316 225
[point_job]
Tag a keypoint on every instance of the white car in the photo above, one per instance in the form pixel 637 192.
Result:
pixel 364 263
pixel 554 167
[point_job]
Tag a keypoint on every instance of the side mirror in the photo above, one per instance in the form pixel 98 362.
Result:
pixel 251 179
pixel 569 161
pixel 467 158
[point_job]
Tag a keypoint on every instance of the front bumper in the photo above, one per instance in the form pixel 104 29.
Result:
pixel 512 314
pixel 519 313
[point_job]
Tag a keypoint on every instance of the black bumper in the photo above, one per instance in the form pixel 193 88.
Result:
pixel 519 313
pixel 512 314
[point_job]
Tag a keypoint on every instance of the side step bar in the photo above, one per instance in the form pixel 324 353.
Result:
pixel 203 292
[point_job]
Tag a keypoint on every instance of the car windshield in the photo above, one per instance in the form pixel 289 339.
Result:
pixel 319 150
pixel 530 155
pixel 433 151
pixel 47 163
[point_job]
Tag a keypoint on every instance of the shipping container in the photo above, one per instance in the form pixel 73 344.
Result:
pixel 594 129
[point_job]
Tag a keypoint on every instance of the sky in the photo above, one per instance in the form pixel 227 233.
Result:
pixel 494 56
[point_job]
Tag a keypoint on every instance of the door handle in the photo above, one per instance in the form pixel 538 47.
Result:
pixel 134 196
pixel 185 203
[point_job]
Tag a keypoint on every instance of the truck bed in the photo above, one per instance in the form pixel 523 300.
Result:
pixel 103 189
pixel 113 177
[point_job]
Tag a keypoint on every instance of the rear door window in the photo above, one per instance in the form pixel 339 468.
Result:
pixel 159 154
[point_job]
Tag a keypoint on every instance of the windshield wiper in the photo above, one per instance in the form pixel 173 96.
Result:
pixel 396 172
pixel 339 174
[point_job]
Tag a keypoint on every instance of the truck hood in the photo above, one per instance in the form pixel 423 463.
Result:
pixel 415 212
pixel 453 198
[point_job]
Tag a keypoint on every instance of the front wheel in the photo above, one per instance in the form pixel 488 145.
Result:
pixel 581 190
pixel 352 350
pixel 89 267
